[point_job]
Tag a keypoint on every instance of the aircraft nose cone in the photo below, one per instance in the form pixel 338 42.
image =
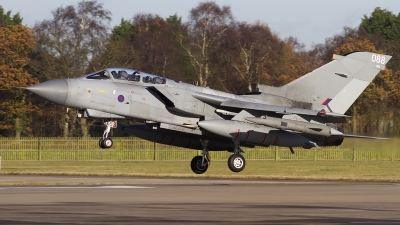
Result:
pixel 54 90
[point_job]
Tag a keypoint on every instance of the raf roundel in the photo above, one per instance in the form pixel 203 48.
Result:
pixel 121 98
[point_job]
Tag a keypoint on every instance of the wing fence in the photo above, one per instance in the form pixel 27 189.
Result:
pixel 135 149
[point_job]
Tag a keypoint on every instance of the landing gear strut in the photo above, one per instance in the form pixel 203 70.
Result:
pixel 199 164
pixel 236 162
pixel 105 141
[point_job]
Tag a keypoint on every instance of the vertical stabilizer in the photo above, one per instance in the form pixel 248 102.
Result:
pixel 336 85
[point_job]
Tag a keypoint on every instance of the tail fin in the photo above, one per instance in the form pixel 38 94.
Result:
pixel 336 85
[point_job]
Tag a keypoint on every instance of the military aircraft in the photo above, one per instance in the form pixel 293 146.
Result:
pixel 301 113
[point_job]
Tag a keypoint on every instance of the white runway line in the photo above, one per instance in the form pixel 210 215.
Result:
pixel 77 187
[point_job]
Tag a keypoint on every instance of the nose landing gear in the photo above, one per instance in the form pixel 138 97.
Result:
pixel 106 141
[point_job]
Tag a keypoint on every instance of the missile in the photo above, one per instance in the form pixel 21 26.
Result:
pixel 298 126
pixel 255 133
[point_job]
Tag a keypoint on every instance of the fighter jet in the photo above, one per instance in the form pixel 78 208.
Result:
pixel 301 113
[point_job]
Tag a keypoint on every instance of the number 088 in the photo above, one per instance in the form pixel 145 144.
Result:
pixel 378 59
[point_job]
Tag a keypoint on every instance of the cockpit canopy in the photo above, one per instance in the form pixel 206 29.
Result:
pixel 99 75
pixel 126 75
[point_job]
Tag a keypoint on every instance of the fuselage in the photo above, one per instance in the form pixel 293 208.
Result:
pixel 144 96
pixel 125 93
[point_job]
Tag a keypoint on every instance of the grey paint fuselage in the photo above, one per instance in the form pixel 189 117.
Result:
pixel 133 99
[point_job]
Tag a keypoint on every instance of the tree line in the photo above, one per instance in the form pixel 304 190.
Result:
pixel 211 48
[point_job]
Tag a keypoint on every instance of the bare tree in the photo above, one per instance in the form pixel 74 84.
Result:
pixel 245 48
pixel 151 43
pixel 207 23
pixel 67 43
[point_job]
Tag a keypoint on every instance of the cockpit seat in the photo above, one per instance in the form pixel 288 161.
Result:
pixel 134 77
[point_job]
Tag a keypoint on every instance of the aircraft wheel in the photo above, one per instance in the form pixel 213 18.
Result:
pixel 196 165
pixel 236 163
pixel 107 143
pixel 101 144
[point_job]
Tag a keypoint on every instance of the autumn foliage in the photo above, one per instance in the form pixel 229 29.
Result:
pixel 16 42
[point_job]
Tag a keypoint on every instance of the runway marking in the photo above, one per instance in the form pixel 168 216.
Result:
pixel 120 187
pixel 376 222
pixel 347 210
pixel 78 187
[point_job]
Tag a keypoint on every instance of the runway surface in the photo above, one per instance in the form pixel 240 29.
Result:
pixel 196 201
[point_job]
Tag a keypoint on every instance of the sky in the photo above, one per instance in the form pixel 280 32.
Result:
pixel 310 21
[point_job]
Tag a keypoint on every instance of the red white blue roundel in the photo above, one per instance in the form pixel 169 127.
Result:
pixel 121 98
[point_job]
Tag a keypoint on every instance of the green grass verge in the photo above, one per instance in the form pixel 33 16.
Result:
pixel 383 171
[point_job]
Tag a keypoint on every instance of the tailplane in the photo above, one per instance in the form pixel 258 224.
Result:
pixel 335 86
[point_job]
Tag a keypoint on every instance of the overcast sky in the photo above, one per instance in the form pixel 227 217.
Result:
pixel 311 21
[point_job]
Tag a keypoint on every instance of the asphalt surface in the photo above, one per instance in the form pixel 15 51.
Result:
pixel 115 200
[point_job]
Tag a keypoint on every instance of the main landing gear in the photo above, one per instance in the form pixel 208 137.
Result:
pixel 236 161
pixel 106 141
pixel 199 164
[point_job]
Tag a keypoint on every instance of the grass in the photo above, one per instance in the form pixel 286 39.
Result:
pixel 382 171
pixel 371 170
pixel 372 144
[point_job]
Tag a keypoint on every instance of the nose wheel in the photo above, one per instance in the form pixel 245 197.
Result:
pixel 106 141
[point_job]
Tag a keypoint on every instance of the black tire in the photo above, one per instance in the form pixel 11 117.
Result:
pixel 196 165
pixel 108 143
pixel 101 143
pixel 236 163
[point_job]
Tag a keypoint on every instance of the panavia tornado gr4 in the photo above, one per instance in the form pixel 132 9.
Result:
pixel 301 113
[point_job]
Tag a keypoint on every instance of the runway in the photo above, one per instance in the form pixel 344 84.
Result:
pixel 123 200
